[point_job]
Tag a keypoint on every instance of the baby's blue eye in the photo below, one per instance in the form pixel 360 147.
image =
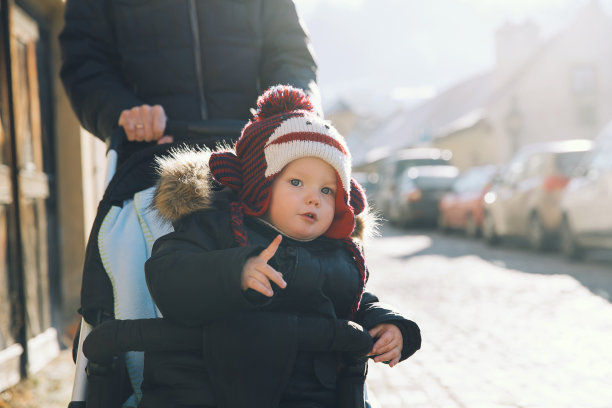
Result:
pixel 326 190
pixel 295 182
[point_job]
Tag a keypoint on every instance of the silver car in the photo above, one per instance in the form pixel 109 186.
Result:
pixel 524 200
pixel 587 203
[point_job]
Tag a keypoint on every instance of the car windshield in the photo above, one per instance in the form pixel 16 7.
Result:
pixel 434 183
pixel 404 164
pixel 567 162
pixel 432 177
pixel 474 179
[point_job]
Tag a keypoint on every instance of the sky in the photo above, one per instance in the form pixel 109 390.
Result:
pixel 412 49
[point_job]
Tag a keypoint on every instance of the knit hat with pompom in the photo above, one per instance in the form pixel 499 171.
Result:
pixel 284 128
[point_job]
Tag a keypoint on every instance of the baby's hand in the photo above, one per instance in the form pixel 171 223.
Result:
pixel 257 274
pixel 388 345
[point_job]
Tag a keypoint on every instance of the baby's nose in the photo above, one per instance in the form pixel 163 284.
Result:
pixel 313 200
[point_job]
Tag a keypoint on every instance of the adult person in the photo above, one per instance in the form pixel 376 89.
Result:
pixel 135 63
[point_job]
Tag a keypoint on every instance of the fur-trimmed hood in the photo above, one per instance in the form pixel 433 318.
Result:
pixel 184 187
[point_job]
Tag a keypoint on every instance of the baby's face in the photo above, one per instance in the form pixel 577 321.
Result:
pixel 303 198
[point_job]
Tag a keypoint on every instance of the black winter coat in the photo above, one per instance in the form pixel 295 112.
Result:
pixel 198 59
pixel 194 278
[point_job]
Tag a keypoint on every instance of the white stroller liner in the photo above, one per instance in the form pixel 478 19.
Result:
pixel 128 232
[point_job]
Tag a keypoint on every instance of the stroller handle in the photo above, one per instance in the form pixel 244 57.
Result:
pixel 207 132
pixel 204 131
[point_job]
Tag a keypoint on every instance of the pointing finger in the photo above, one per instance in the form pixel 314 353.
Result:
pixel 269 252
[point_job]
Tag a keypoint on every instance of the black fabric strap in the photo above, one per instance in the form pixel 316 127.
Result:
pixel 113 337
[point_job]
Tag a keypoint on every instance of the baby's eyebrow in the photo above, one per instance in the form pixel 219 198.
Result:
pixel 330 183
pixel 298 174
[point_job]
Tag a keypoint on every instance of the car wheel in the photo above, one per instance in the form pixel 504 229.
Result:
pixel 538 238
pixel 569 247
pixel 471 228
pixel 488 230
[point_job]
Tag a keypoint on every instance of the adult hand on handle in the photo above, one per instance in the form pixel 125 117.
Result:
pixel 257 274
pixel 145 123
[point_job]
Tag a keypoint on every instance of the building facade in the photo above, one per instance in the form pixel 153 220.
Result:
pixel 539 90
pixel 51 176
pixel 556 89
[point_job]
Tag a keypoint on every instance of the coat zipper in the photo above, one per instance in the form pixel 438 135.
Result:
pixel 195 31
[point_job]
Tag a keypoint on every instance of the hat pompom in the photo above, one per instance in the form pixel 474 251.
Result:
pixel 281 99
pixel 225 168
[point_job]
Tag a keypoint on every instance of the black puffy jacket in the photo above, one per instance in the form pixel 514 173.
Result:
pixel 198 59
pixel 194 277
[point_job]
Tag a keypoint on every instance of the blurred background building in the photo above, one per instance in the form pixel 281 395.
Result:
pixel 538 90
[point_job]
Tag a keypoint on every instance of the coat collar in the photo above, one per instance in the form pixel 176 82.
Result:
pixel 185 186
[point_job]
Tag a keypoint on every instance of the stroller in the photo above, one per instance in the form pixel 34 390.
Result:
pixel 113 286
pixel 118 313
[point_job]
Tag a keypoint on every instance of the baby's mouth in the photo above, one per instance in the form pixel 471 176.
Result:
pixel 312 216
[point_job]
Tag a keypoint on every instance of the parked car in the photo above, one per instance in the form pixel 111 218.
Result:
pixel 462 206
pixel 586 203
pixel 525 199
pixel 369 182
pixel 391 168
pixel 419 191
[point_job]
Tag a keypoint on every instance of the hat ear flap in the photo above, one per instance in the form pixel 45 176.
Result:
pixel 225 168
pixel 358 199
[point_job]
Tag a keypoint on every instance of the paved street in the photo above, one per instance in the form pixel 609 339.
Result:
pixel 502 327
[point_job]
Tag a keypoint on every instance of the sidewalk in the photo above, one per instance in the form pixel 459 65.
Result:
pixel 51 387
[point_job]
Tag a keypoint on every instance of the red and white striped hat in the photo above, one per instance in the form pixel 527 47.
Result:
pixel 285 128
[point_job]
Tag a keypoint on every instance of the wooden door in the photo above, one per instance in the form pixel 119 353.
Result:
pixel 33 182
pixel 27 340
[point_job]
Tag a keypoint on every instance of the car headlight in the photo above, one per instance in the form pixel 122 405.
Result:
pixel 490 197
